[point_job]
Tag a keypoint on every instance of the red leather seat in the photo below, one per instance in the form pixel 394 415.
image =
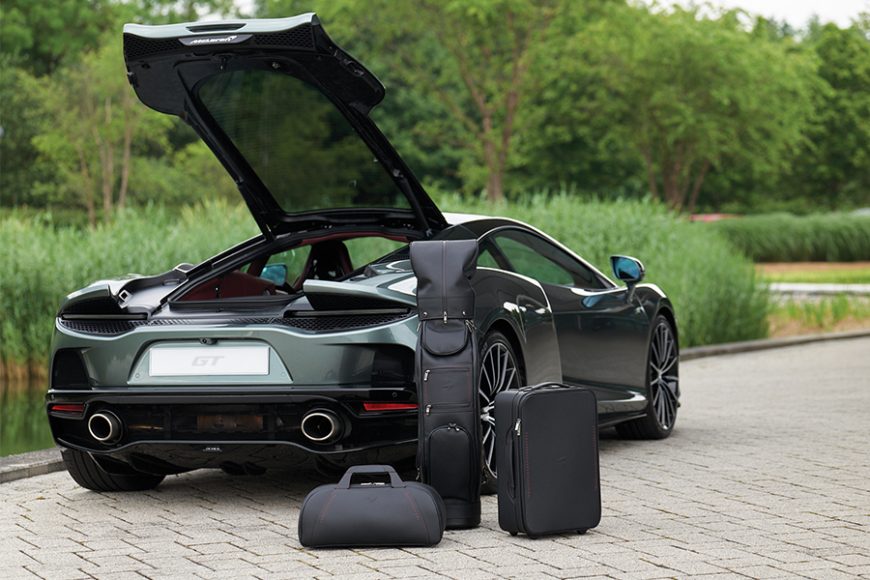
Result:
pixel 235 284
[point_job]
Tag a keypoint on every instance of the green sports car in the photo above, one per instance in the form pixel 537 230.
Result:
pixel 289 345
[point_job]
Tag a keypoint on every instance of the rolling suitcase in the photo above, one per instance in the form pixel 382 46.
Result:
pixel 547 457
pixel 448 451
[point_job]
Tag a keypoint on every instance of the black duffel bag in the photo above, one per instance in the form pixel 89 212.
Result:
pixel 372 513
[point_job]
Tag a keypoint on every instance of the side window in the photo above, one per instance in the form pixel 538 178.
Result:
pixel 536 258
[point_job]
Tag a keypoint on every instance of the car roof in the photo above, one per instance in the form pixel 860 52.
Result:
pixel 480 225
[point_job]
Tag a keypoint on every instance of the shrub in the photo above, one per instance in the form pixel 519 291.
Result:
pixel 714 289
pixel 831 237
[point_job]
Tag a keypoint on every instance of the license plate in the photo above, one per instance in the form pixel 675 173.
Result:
pixel 209 361
pixel 229 423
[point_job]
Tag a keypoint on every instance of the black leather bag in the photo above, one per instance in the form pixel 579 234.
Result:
pixel 547 457
pixel 373 513
pixel 448 453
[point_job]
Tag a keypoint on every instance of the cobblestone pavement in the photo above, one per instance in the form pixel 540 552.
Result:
pixel 767 475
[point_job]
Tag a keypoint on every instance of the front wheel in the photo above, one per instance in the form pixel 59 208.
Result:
pixel 663 387
pixel 88 474
pixel 499 371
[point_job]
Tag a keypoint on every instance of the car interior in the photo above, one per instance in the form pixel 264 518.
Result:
pixel 285 271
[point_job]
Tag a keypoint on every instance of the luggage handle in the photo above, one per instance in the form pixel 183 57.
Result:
pixel 545 386
pixel 395 480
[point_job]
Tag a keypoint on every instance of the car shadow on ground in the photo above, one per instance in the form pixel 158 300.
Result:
pixel 277 485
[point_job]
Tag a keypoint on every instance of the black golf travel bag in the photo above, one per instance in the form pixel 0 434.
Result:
pixel 547 457
pixel 448 452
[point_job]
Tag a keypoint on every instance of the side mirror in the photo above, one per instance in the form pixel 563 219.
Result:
pixel 276 273
pixel 629 270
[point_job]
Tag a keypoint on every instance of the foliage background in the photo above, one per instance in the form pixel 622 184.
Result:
pixel 600 121
pixel 691 262
pixel 602 98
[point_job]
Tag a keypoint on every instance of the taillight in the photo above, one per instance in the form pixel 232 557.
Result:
pixel 67 408
pixel 369 406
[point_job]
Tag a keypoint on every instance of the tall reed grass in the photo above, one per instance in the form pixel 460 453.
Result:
pixel 831 237
pixel 714 289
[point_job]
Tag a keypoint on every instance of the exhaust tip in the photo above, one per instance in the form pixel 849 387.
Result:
pixel 321 426
pixel 105 427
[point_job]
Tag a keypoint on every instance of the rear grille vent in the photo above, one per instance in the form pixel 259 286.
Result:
pixel 136 47
pixel 103 327
pixel 299 37
pixel 312 324
pixel 332 323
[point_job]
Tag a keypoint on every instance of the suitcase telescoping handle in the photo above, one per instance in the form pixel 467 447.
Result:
pixel 512 483
pixel 395 480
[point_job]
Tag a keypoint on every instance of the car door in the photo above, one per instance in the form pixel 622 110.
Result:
pixel 602 334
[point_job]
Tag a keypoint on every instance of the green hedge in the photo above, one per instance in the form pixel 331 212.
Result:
pixel 831 237
pixel 714 289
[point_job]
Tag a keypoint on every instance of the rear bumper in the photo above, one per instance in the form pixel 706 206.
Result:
pixel 188 428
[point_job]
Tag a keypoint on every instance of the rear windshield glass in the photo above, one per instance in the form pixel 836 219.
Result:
pixel 300 145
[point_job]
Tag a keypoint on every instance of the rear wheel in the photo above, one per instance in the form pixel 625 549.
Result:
pixel 499 371
pixel 87 473
pixel 663 387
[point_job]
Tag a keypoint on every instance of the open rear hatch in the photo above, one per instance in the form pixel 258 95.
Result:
pixel 287 113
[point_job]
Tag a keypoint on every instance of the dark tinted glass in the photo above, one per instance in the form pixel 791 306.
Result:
pixel 536 258
pixel 300 145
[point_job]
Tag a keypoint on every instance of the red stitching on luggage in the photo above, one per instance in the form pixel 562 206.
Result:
pixel 526 464
pixel 323 513
pixel 413 504
pixel 417 512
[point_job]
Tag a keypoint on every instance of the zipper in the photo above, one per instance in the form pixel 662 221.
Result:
pixel 518 471
pixel 442 407
pixel 444 277
pixel 426 375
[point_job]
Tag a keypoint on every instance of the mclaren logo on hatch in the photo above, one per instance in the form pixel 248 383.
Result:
pixel 222 39
pixel 215 39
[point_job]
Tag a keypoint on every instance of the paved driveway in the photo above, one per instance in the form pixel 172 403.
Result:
pixel 767 475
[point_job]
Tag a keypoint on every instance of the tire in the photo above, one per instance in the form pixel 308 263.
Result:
pixel 663 388
pixel 87 473
pixel 495 345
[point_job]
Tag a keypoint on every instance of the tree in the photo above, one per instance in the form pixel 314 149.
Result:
pixel 91 121
pixel 687 94
pixel 835 162
pixel 471 58
pixel 41 35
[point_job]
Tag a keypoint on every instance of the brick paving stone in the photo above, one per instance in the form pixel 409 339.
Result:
pixel 765 477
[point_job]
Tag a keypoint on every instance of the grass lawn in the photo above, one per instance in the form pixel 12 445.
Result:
pixel 833 314
pixel 816 272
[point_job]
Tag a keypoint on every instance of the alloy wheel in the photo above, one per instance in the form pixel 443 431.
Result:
pixel 664 380
pixel 498 372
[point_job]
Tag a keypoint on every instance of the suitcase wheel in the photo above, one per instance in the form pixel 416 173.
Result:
pixel 582 531
pixel 513 533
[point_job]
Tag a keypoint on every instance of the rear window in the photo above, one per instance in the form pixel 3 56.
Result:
pixel 300 145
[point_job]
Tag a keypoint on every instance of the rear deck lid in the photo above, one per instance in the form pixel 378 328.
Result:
pixel 287 113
